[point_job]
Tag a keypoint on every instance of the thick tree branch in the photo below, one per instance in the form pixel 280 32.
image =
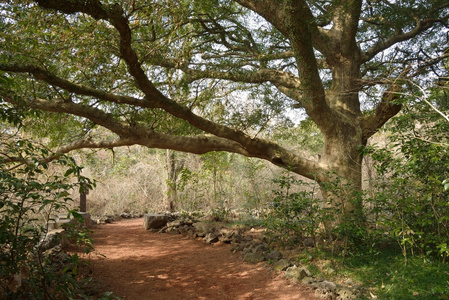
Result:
pixel 295 20
pixel 115 15
pixel 286 82
pixel 275 12
pixel 421 26
pixel 345 25
pixel 281 78
pixel 44 75
pixel 385 110
pixel 96 115
pixel 76 145
pixel 200 144
pixel 259 148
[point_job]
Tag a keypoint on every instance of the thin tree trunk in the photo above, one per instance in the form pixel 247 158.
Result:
pixel 171 193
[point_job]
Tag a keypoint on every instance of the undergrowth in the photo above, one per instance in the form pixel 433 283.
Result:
pixel 382 274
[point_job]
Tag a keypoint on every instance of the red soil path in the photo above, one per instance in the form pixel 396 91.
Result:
pixel 143 265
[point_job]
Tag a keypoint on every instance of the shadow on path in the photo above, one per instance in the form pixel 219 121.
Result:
pixel 139 264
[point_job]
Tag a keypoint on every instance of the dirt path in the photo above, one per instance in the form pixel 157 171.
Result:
pixel 143 265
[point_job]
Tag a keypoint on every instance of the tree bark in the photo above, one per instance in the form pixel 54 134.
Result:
pixel 335 108
pixel 174 167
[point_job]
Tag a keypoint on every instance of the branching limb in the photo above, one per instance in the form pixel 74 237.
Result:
pixel 76 145
pixel 385 110
pixel 222 138
pixel 295 20
pixel 200 144
pixel 421 26
pixel 425 98
pixel 44 75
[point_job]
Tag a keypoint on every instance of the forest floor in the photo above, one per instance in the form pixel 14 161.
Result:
pixel 138 264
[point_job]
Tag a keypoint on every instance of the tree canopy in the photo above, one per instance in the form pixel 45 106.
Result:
pixel 217 75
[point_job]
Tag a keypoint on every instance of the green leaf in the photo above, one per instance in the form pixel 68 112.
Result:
pixel 446 184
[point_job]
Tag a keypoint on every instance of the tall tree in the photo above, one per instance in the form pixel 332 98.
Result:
pixel 135 66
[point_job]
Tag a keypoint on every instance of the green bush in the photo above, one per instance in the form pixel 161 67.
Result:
pixel 31 191
pixel 411 203
pixel 293 214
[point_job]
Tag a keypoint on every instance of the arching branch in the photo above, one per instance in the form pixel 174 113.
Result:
pixel 420 27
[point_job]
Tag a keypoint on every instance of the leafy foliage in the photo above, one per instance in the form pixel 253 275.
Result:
pixel 294 215
pixel 411 202
pixel 31 191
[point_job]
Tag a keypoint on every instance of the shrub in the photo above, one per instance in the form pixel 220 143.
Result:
pixel 31 190
pixel 294 214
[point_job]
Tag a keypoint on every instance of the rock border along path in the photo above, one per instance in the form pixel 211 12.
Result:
pixel 140 264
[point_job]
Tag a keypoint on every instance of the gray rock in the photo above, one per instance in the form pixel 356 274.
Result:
pixel 211 238
pixel 327 285
pixel 53 238
pixel 308 280
pixel 238 247
pixel 345 293
pixel 259 248
pixel 86 220
pixel 329 270
pixel 175 223
pixel 172 230
pixel 202 228
pixel 274 255
pixel 125 215
pixel 253 247
pixel 184 229
pixel 227 235
pixel 323 288
pixel 191 233
pixel 254 258
pixel 281 265
pixel 296 273
pixel 155 221
pixel 238 239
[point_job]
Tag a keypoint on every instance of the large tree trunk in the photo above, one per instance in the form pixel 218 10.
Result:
pixel 343 142
pixel 342 186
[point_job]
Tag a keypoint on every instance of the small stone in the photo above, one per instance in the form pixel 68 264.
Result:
pixel 329 285
pixel 175 223
pixel 227 235
pixel 281 265
pixel 297 273
pixel 202 228
pixel 305 273
pixel 247 248
pixel 125 215
pixel 254 258
pixel 308 280
pixel 211 238
pixel 52 239
pixel 345 293
pixel 274 255
pixel 172 230
pixel 184 229
pixel 258 248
